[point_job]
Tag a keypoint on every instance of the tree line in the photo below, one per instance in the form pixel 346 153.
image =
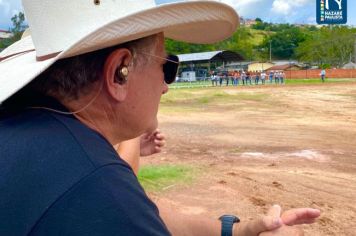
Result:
pixel 327 46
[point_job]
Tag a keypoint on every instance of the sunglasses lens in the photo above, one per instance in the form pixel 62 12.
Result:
pixel 170 69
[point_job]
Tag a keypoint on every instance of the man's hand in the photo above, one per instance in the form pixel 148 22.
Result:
pixel 285 230
pixel 276 224
pixel 300 216
pixel 151 143
pixel 291 219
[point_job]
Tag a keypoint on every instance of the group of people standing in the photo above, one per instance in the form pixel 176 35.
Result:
pixel 246 78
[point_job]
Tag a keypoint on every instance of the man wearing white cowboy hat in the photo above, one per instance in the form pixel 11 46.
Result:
pixel 92 76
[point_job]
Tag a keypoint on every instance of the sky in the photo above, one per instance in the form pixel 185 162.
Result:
pixel 276 11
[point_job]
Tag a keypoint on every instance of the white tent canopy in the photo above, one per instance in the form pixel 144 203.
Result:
pixel 349 65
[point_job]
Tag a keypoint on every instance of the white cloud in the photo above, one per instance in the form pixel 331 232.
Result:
pixel 8 8
pixel 247 8
pixel 285 7
pixel 241 5
pixel 281 7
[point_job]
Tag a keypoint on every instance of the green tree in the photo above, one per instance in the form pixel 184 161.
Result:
pixel 260 25
pixel 176 47
pixel 284 42
pixel 18 26
pixel 18 23
pixel 328 46
pixel 240 42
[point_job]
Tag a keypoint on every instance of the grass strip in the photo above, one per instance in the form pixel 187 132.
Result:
pixel 156 178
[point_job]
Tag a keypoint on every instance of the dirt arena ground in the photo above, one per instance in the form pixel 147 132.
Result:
pixel 291 145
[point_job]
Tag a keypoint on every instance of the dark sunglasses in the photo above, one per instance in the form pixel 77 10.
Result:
pixel 170 68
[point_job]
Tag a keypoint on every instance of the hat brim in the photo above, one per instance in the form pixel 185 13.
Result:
pixel 194 22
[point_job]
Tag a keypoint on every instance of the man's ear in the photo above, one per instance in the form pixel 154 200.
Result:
pixel 116 82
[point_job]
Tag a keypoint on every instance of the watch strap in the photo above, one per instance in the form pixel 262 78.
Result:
pixel 227 222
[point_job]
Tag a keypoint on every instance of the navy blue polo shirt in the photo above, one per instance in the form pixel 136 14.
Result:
pixel 59 177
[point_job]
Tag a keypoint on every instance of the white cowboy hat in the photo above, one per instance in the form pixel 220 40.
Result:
pixel 66 28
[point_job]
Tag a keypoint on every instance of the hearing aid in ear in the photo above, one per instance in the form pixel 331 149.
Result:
pixel 121 74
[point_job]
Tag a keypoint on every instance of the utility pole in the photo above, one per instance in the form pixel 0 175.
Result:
pixel 270 51
pixel 355 50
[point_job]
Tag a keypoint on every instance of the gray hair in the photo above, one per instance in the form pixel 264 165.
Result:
pixel 71 77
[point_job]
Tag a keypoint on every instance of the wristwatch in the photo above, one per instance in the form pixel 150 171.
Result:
pixel 227 221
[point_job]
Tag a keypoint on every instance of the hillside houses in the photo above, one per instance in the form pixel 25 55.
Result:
pixel 4 34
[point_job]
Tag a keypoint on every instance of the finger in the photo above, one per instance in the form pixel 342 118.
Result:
pixel 153 134
pixel 157 131
pixel 160 143
pixel 308 221
pixel 300 216
pixel 160 136
pixel 158 149
pixel 274 211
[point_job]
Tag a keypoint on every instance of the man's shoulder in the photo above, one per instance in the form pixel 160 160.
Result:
pixel 109 201
pixel 59 135
pixel 36 134
pixel 43 157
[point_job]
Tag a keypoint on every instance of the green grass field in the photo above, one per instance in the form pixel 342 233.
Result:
pixel 202 84
pixel 201 96
pixel 155 178
pixel 317 81
pixel 204 96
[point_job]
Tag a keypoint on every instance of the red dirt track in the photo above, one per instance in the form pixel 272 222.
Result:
pixel 296 148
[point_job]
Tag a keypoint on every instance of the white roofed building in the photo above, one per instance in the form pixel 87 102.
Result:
pixel 5 34
pixel 208 60
pixel 203 63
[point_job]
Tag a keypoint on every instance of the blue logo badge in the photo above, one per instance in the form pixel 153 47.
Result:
pixel 331 11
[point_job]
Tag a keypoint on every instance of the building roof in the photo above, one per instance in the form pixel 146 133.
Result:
pixel 235 63
pixel 260 63
pixel 4 31
pixel 283 67
pixel 284 62
pixel 210 56
pixel 349 65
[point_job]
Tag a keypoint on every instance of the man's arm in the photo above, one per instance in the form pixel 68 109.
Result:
pixel 130 152
pixel 144 145
pixel 180 224
pixel 272 224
